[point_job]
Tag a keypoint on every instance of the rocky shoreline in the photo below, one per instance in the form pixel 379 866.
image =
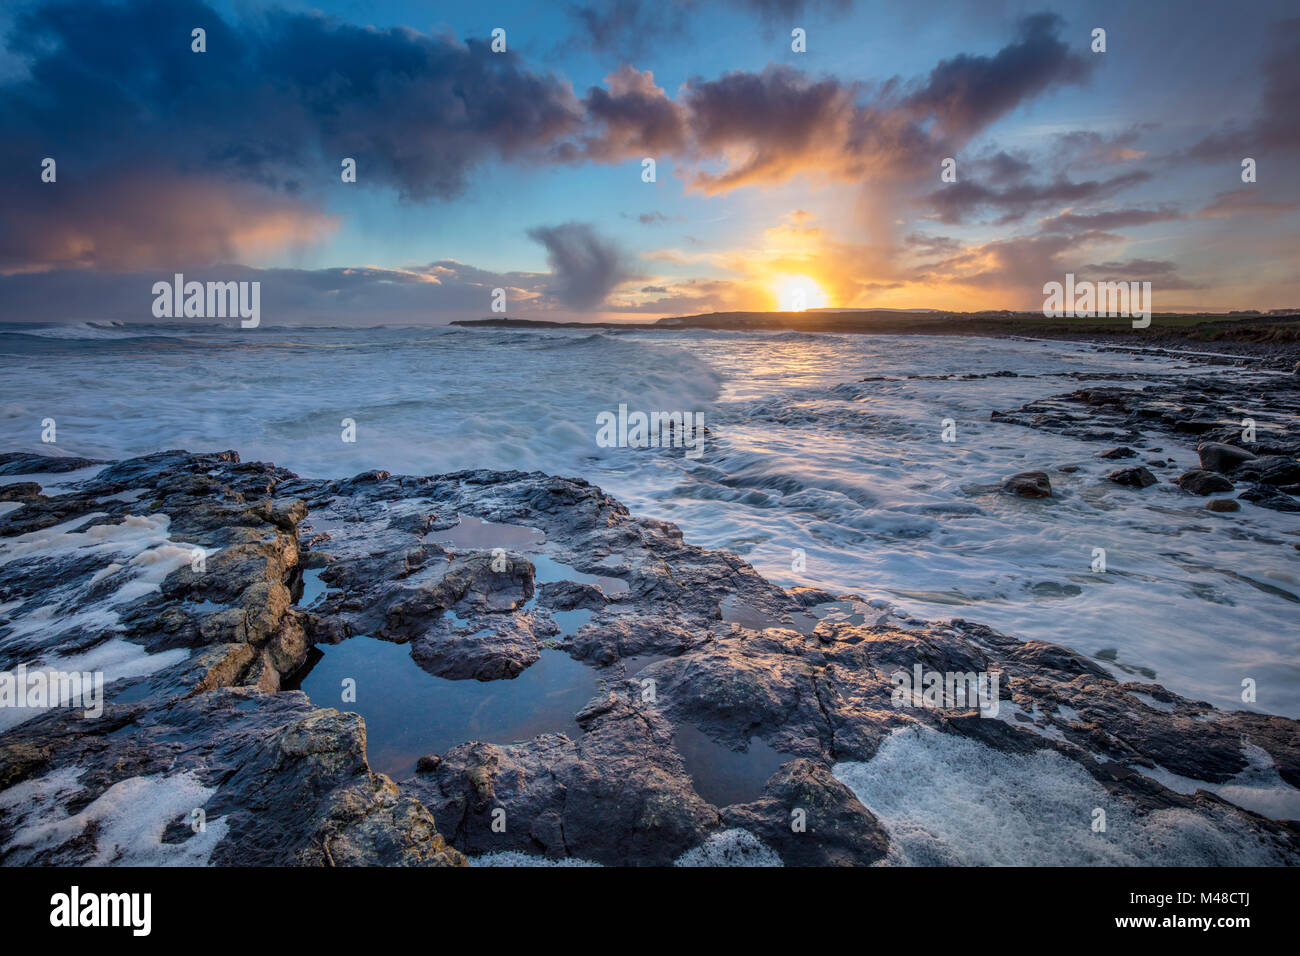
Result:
pixel 1242 426
pixel 100 571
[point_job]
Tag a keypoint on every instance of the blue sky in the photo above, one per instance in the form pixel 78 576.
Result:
pixel 776 169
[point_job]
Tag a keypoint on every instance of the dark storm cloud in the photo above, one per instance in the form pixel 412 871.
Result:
pixel 966 93
pixel 238 146
pixel 784 120
pixel 116 96
pixel 585 267
pixel 287 95
pixel 1000 168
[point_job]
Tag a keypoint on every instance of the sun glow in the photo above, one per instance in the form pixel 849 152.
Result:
pixel 796 293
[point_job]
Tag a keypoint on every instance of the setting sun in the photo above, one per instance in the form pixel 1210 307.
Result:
pixel 796 293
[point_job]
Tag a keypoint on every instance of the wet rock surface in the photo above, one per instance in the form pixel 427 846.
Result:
pixel 1028 484
pixel 1138 477
pixel 474 571
pixel 1201 482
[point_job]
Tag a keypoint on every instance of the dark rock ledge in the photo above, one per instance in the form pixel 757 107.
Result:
pixel 281 781
pixel 1207 410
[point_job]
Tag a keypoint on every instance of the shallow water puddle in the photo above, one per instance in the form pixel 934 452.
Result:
pixel 547 570
pixel 723 776
pixel 410 713
pixel 754 619
pixel 312 588
pixel 473 532
pixel 849 612
pixel 570 621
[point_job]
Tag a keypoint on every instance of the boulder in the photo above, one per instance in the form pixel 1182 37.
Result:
pixel 1201 482
pixel 1028 484
pixel 1266 496
pixel 1270 470
pixel 1216 456
pixel 1137 477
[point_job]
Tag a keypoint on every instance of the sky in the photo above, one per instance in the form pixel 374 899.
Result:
pixel 783 178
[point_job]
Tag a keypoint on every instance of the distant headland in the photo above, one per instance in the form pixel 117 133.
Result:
pixel 1271 336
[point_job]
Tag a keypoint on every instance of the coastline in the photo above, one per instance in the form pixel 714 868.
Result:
pixel 698 654
pixel 1272 342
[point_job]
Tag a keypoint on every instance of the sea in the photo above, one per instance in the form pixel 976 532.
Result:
pixel 843 462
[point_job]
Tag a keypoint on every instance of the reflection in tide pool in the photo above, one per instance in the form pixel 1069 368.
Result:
pixel 724 776
pixel 410 713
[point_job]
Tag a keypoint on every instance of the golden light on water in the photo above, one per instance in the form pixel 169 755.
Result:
pixel 794 293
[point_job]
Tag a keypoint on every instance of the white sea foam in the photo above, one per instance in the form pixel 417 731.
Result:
pixel 515 858
pixel 55 482
pixel 138 551
pixel 115 658
pixel 947 800
pixel 1259 787
pixel 729 848
pixel 802 454
pixel 128 819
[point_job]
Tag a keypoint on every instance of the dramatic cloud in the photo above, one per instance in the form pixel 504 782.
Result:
pixel 770 126
pixel 282 97
pixel 171 159
pixel 967 93
pixel 1015 269
pixel 244 142
pixel 999 169
pixel 635 118
pixel 114 94
pixel 628 28
pixel 584 266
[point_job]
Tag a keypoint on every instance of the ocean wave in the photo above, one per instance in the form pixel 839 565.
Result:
pixel 801 456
